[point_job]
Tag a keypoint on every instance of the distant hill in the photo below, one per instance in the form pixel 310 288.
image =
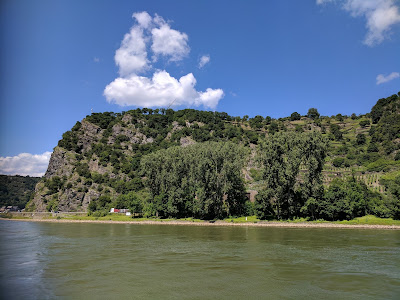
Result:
pixel 99 158
pixel 16 190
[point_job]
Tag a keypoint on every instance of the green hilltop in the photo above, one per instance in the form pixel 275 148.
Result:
pixel 16 190
pixel 191 163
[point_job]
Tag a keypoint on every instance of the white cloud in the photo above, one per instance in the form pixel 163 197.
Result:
pixel 205 59
pixel 143 18
pixel 132 55
pixel 160 90
pixel 382 78
pixel 96 59
pixel 153 35
pixel 169 42
pixel 25 164
pixel 381 15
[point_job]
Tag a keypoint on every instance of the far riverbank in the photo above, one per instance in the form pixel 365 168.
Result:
pixel 287 224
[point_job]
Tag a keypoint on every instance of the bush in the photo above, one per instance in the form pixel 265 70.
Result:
pixel 338 162
pixel 360 139
pixel 100 213
pixel 364 123
pixel 295 116
pixel 372 147
pixel 397 156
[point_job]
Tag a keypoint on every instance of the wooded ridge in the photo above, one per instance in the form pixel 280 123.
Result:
pixel 192 163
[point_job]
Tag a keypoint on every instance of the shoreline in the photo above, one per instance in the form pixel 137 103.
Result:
pixel 217 223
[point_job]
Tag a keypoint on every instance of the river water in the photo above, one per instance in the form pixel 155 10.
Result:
pixel 118 261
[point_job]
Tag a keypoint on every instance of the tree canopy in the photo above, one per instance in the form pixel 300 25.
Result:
pixel 202 180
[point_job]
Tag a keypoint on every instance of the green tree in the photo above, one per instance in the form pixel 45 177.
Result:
pixel 202 180
pixel 281 156
pixel 364 123
pixel 313 113
pixel 295 116
pixel 360 139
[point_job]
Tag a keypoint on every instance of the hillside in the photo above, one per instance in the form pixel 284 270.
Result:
pixel 16 190
pixel 99 160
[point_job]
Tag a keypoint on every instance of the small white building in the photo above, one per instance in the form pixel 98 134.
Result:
pixel 120 211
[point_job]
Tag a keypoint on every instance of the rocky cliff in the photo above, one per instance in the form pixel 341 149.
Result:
pixel 99 158
pixel 101 154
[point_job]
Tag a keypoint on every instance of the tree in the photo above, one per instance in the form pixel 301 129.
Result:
pixel 335 130
pixel 295 116
pixel 202 180
pixel 281 156
pixel 256 122
pixel 273 127
pixel 313 113
pixel 339 118
pixel 372 147
pixel 364 123
pixel 346 199
pixel 360 139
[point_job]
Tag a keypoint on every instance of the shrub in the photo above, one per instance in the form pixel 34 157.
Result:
pixel 364 123
pixel 338 162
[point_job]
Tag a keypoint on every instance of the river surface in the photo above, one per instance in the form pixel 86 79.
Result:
pixel 118 261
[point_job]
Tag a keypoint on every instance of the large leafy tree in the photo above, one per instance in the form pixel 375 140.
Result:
pixel 282 157
pixel 202 180
pixel 313 113
pixel 295 116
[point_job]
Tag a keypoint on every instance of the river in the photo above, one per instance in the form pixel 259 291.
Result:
pixel 121 261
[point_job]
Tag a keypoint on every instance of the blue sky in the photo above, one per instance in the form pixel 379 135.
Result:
pixel 259 57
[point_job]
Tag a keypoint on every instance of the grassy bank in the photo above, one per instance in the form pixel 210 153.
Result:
pixel 366 220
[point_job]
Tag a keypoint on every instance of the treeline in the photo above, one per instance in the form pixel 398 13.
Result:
pixel 205 181
pixel 16 190
pixel 113 163
pixel 292 169
pixel 202 181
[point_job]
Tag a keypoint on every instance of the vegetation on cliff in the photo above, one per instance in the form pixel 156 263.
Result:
pixel 16 190
pixel 191 163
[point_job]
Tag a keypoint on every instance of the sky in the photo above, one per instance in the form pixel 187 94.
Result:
pixel 62 59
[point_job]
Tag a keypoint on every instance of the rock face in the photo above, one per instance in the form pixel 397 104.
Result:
pixel 90 134
pixel 97 157
pixel 58 164
pixel 186 141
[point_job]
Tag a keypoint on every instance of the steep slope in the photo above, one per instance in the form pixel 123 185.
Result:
pixel 16 190
pixel 101 154
pixel 99 158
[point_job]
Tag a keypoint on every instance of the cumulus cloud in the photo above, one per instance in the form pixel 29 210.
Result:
pixel 160 90
pixel 169 43
pixel 380 15
pixel 132 55
pixel 153 36
pixel 143 18
pixel 382 78
pixel 205 59
pixel 25 164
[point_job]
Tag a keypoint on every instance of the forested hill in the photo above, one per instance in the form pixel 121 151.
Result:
pixel 16 190
pixel 107 160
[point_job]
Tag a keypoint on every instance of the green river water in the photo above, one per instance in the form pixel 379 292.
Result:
pixel 118 261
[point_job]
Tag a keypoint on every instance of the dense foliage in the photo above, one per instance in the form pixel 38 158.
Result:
pixel 16 190
pixel 202 180
pixel 157 163
pixel 282 157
